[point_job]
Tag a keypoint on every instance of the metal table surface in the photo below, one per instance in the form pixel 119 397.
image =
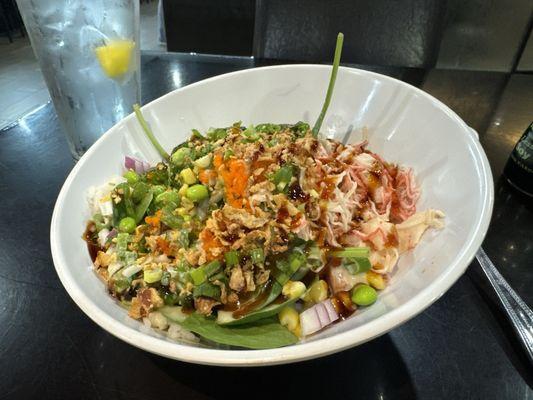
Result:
pixel 461 347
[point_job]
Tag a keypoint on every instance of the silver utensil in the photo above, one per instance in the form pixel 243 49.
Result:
pixel 518 312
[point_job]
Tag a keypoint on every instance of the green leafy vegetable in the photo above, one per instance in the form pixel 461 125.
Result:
pixel 215 134
pixel 333 77
pixel 158 175
pixel 122 241
pixel 268 128
pixel 282 177
pixel 232 258
pixel 199 275
pixel 251 134
pixel 207 289
pixel 226 317
pixel 257 255
pixel 141 208
pixel 300 128
pixel 196 134
pixel 140 189
pixel 124 207
pixel 263 334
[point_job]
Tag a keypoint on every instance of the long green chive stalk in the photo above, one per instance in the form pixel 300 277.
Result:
pixel 352 252
pixel 148 132
pixel 332 78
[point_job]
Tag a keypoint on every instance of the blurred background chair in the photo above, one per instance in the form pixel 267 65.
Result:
pixel 379 32
pixel 452 34
pixel 210 26
pixel 10 20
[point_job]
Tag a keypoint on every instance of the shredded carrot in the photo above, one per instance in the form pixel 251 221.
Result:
pixel 217 160
pixel 209 242
pixel 235 176
pixel 154 220
pixel 206 175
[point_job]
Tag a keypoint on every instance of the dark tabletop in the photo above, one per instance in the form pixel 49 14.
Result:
pixel 460 347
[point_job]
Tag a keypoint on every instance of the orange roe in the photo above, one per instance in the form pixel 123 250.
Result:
pixel 234 173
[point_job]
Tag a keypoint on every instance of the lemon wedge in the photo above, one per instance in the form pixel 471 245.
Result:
pixel 115 57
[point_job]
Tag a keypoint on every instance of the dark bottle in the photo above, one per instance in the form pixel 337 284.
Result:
pixel 519 168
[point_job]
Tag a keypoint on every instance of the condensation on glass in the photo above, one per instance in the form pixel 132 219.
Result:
pixel 89 55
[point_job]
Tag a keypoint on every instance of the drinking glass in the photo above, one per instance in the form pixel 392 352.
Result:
pixel 89 55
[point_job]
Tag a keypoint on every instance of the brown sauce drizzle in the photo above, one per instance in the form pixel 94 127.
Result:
pixel 247 302
pixel 373 181
pixel 296 193
pixel 283 214
pixel 392 240
pixel 328 188
pixel 93 247
pixel 257 164
pixel 343 304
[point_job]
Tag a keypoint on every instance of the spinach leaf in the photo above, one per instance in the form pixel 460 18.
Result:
pixel 263 334
pixel 141 208
pixel 276 290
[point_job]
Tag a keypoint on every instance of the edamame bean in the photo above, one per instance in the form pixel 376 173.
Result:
pixel 178 158
pixel 157 190
pixel 364 295
pixel 197 193
pixel 127 225
pixel 131 176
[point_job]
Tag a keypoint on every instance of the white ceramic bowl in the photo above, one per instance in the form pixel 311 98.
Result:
pixel 404 125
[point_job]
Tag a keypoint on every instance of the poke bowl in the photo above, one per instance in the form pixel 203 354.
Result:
pixel 401 123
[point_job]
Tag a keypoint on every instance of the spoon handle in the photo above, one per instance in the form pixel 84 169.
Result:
pixel 518 312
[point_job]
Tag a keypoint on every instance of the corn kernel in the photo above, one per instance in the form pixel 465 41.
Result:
pixel 289 318
pixel 318 291
pixel 187 205
pixel 183 190
pixel 377 281
pixel 293 289
pixel 188 176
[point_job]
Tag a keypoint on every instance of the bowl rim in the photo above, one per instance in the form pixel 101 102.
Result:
pixel 303 350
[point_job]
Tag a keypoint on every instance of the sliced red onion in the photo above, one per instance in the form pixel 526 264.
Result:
pixel 309 321
pixel 318 317
pixel 112 233
pixel 333 316
pixel 322 314
pixel 135 164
